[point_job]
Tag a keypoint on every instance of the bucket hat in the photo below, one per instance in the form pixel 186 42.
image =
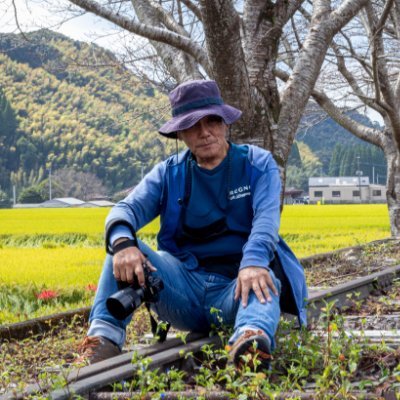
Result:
pixel 194 100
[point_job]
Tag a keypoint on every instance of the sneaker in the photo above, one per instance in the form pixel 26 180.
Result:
pixel 255 344
pixel 94 349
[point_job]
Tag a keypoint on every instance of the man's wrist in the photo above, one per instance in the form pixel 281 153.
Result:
pixel 123 243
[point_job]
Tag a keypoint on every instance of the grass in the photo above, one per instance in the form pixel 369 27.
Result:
pixel 312 229
pixel 52 221
pixel 63 249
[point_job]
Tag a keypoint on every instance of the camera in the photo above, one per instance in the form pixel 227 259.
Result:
pixel 124 302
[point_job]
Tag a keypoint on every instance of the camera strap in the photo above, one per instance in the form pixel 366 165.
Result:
pixel 158 330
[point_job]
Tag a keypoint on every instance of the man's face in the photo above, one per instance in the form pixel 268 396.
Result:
pixel 207 139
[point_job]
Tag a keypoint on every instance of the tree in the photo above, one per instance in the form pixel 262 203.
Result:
pixel 82 185
pixel 8 138
pixel 239 48
pixel 4 200
pixel 31 195
pixel 294 156
pixel 370 77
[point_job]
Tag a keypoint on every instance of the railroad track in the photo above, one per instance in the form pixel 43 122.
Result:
pixel 41 325
pixel 92 381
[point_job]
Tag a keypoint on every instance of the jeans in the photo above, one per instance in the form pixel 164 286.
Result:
pixel 186 300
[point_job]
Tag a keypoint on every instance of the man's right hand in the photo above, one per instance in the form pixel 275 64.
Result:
pixel 128 263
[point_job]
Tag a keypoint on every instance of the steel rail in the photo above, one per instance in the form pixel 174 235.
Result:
pixel 222 395
pixel 99 375
pixel 81 380
pixel 359 289
pixel 37 326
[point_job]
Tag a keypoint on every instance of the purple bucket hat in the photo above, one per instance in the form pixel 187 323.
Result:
pixel 193 100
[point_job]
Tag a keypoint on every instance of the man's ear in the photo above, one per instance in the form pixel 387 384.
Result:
pixel 179 135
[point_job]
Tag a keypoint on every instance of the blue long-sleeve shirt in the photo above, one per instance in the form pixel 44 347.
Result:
pixel 221 199
pixel 255 213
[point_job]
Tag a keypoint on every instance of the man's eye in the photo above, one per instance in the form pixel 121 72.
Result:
pixel 215 119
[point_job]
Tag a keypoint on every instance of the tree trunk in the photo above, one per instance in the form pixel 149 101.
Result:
pixel 393 189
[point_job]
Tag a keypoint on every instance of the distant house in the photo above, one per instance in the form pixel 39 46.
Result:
pixel 345 189
pixel 292 195
pixel 62 202
pixel 97 203
pixel 26 205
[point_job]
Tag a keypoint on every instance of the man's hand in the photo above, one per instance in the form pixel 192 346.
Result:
pixel 257 279
pixel 128 263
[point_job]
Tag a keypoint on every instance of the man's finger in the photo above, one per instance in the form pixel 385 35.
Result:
pixel 238 289
pixel 122 275
pixel 271 285
pixel 149 265
pixel 129 274
pixel 245 295
pixel 140 275
pixel 260 293
pixel 116 273
pixel 264 288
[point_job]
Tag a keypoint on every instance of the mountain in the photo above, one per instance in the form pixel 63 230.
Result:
pixel 69 104
pixel 74 105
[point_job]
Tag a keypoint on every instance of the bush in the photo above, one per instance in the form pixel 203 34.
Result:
pixel 31 195
pixel 4 200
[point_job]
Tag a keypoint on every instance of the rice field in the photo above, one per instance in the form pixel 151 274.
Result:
pixel 62 250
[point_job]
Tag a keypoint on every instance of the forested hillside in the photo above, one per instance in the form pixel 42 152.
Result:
pixel 65 103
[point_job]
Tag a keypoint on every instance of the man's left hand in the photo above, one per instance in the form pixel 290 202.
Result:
pixel 257 279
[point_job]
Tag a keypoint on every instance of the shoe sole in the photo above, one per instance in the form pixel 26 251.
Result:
pixel 247 346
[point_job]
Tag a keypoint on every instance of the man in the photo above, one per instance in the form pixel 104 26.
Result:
pixel 219 207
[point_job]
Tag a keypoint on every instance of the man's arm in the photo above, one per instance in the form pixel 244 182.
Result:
pixel 259 250
pixel 140 207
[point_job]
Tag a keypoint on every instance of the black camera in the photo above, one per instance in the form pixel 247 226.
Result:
pixel 130 297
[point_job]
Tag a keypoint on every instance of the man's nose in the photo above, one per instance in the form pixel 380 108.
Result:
pixel 203 128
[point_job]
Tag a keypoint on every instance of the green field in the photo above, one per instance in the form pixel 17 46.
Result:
pixel 62 249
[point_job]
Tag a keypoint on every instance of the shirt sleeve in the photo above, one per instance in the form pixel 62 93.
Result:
pixel 140 207
pixel 261 245
pixel 118 232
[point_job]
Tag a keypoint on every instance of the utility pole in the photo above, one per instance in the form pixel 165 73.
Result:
pixel 359 174
pixel 50 194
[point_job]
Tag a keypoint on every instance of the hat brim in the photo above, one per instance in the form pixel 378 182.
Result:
pixel 186 120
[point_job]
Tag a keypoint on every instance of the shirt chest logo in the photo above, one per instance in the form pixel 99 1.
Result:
pixel 240 192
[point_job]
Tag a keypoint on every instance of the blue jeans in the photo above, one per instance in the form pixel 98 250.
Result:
pixel 186 300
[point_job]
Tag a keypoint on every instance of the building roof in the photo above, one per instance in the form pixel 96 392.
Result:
pixel 338 181
pixel 101 203
pixel 26 205
pixel 293 191
pixel 68 201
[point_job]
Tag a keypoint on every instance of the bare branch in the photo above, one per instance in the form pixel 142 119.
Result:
pixel 149 32
pixel 363 132
pixel 17 21
pixel 380 73
pixel 193 8
pixel 353 82
pixel 166 19
pixel 345 12
pixel 366 66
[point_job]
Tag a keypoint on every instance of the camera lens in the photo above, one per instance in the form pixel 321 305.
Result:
pixel 125 302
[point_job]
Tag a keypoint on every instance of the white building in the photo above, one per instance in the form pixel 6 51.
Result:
pixel 97 203
pixel 62 202
pixel 345 189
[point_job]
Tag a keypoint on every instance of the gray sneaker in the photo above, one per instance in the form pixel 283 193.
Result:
pixel 94 349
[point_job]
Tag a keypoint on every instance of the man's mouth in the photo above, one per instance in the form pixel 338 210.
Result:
pixel 206 144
